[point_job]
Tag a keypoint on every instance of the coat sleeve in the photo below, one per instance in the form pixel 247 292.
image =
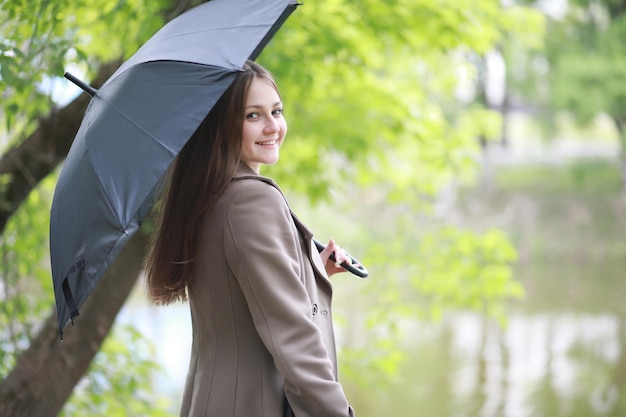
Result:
pixel 264 252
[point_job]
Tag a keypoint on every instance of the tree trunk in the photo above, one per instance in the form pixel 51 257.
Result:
pixel 621 131
pixel 45 375
pixel 505 110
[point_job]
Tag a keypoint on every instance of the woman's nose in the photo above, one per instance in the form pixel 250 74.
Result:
pixel 272 125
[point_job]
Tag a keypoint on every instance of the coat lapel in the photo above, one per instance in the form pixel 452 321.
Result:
pixel 316 261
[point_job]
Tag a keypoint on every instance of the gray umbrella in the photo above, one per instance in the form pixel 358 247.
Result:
pixel 135 125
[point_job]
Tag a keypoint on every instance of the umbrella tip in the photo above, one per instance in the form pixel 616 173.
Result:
pixel 85 87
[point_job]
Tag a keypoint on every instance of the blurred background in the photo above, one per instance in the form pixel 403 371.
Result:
pixel 469 152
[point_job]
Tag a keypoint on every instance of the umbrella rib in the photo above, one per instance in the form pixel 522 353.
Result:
pixel 226 28
pixel 173 154
pixel 212 30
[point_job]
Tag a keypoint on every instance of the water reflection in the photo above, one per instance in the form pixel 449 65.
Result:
pixel 549 365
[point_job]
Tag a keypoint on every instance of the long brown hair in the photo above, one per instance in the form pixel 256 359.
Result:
pixel 199 175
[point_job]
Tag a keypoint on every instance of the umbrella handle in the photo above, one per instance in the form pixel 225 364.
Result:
pixel 85 87
pixel 359 271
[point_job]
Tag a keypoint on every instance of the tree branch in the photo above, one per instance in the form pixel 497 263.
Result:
pixel 30 161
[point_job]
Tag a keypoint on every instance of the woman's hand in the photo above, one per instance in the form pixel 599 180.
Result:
pixel 340 256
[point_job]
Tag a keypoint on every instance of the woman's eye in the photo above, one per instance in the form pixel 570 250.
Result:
pixel 252 116
pixel 277 112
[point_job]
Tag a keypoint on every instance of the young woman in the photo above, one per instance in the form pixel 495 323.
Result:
pixel 259 293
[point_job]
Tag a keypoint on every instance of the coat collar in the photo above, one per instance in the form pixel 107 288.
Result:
pixel 244 170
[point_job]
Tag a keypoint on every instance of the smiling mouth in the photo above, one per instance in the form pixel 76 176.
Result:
pixel 268 143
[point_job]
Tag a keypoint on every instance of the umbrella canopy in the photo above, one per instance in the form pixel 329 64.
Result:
pixel 134 127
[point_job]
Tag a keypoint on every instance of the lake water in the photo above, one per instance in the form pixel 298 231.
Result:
pixel 549 360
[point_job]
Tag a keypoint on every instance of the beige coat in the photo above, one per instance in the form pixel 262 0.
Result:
pixel 261 313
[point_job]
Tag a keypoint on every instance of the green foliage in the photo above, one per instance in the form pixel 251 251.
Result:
pixel 25 285
pixel 119 382
pixel 437 268
pixel 40 39
pixel 368 90
pixel 465 268
pixel 593 33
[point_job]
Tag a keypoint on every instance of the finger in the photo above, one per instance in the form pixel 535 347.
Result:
pixel 342 256
pixel 328 249
pixel 347 258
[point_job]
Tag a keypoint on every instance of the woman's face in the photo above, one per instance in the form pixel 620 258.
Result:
pixel 264 126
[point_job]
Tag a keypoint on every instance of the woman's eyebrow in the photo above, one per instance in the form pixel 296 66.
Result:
pixel 260 106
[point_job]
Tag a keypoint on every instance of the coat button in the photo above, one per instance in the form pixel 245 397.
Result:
pixel 314 309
